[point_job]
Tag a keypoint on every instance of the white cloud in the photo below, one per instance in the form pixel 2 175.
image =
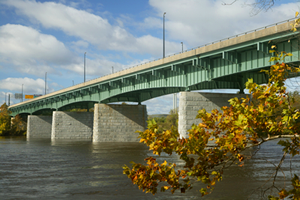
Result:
pixel 89 27
pixel 30 51
pixel 200 22
pixel 96 67
pixel 293 84
pixel 193 22
pixel 151 22
pixel 30 86
pixel 160 105
pixel 5 97
pixel 80 44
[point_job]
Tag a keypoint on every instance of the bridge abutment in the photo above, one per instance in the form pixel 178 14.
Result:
pixel 72 125
pixel 118 123
pixel 39 126
pixel 191 102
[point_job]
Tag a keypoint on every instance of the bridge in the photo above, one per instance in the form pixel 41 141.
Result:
pixel 224 64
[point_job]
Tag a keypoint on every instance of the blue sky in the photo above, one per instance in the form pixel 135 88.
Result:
pixel 39 36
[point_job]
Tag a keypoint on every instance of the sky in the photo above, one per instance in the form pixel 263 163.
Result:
pixel 40 36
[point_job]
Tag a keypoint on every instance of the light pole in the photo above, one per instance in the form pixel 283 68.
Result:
pixel 22 93
pixel 73 82
pixel 175 95
pixel 175 102
pixel 84 65
pixel 45 83
pixel 164 34
pixel 182 47
pixel 112 69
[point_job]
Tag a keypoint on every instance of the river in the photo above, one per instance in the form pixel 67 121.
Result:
pixel 45 169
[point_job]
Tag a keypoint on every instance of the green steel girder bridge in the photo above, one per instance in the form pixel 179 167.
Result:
pixel 225 64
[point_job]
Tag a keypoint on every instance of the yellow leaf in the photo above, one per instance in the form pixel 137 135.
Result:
pixel 296 14
pixel 164 164
pixel 273 46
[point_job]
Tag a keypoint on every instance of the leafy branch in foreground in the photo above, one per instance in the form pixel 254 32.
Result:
pixel 220 139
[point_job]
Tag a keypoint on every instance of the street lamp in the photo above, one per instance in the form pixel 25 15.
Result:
pixel 22 93
pixel 84 66
pixel 175 95
pixel 164 34
pixel 182 47
pixel 112 69
pixel 45 82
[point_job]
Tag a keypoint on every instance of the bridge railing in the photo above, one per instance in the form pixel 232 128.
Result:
pixel 240 34
pixel 224 39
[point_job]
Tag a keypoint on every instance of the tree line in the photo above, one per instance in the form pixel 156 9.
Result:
pixel 11 126
pixel 165 123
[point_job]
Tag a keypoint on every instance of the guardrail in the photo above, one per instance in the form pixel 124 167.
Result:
pixel 244 33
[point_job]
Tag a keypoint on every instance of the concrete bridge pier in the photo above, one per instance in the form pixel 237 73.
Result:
pixel 191 102
pixel 108 123
pixel 39 126
pixel 118 123
pixel 72 125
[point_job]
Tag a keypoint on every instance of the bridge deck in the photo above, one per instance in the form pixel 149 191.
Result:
pixel 239 40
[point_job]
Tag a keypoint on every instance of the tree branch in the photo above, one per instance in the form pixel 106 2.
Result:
pixel 273 138
pixel 263 140
pixel 228 4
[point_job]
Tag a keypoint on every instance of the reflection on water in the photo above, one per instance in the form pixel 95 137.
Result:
pixel 62 169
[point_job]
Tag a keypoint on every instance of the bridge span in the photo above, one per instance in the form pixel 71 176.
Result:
pixel 225 64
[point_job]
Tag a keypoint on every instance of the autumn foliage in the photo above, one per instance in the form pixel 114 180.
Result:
pixel 4 119
pixel 165 123
pixel 221 138
pixel 16 126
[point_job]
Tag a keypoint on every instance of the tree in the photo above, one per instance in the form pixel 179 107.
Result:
pixel 4 119
pixel 18 126
pixel 258 5
pixel 165 123
pixel 296 96
pixel 172 119
pixel 221 138
pixel 159 121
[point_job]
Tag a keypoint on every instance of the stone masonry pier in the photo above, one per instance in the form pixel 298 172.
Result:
pixel 191 102
pixel 118 123
pixel 108 123
pixel 39 126
pixel 72 125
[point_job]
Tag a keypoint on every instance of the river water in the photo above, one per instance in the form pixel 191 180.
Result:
pixel 45 169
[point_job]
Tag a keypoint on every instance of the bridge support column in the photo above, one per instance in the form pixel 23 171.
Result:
pixel 118 123
pixel 191 102
pixel 39 126
pixel 72 125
